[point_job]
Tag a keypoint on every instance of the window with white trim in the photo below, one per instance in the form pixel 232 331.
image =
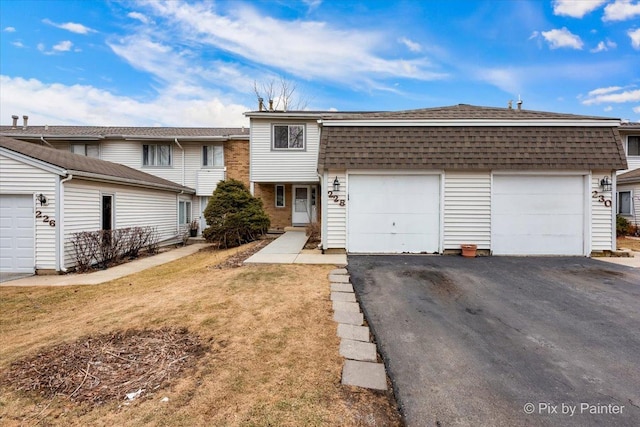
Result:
pixel 633 145
pixel 156 155
pixel 184 212
pixel 288 137
pixel 212 156
pixel 280 199
pixel 624 202
pixel 89 150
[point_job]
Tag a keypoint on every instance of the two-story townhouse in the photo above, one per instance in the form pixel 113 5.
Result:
pixel 628 194
pixel 196 158
pixel 283 162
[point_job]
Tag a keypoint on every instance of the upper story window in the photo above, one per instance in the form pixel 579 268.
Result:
pixel 633 145
pixel 288 137
pixel 213 156
pixel 89 150
pixel 156 155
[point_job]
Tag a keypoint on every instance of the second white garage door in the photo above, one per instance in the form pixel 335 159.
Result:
pixel 538 215
pixel 16 234
pixel 394 213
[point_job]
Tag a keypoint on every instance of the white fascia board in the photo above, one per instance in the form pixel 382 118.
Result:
pixel 472 123
pixel 282 115
pixel 29 136
pixel 170 138
pixel 33 162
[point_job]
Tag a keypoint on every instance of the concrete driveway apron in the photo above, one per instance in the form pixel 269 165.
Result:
pixel 506 341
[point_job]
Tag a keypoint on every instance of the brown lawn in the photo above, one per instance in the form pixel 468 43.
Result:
pixel 627 243
pixel 272 351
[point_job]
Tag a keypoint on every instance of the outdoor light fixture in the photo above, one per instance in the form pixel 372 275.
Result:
pixel 42 199
pixel 336 184
pixel 605 184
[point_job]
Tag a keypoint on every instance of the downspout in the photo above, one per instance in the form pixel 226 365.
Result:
pixel 183 170
pixel 60 222
pixel 45 141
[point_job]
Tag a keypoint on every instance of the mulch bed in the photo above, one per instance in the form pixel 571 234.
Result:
pixel 106 367
pixel 236 260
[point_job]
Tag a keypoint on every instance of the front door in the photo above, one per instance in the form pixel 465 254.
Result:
pixel 302 210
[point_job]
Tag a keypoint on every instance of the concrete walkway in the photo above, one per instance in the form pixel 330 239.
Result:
pixel 109 274
pixel 632 261
pixel 288 249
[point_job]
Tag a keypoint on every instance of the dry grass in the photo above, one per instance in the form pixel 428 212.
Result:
pixel 627 243
pixel 273 357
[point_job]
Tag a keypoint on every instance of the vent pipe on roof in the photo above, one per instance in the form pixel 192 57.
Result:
pixel 510 104
pixel 271 105
pixel 519 103
pixel 25 123
pixel 15 122
pixel 260 104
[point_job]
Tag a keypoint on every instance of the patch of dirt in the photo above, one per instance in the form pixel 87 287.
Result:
pixel 628 243
pixel 236 260
pixel 440 282
pixel 595 273
pixel 101 368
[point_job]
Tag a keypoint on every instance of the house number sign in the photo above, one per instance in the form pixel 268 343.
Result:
pixel 601 199
pixel 335 198
pixel 45 219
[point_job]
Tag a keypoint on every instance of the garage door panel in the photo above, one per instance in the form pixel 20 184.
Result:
pixel 393 213
pixel 538 215
pixel 17 230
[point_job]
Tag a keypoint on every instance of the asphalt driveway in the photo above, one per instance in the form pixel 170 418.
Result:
pixel 506 341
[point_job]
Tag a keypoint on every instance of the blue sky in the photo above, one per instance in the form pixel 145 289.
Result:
pixel 157 63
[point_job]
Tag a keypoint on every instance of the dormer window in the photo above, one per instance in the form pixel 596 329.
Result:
pixel 288 137
pixel 89 150
pixel 633 145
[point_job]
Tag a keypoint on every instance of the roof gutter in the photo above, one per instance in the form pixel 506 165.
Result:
pixel 45 141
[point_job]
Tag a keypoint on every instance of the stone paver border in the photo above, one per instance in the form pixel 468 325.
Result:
pixel 361 367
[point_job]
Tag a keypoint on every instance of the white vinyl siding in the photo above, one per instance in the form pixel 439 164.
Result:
pixel 467 209
pixel 133 206
pixel 268 165
pixel 336 221
pixel 602 231
pixel 20 178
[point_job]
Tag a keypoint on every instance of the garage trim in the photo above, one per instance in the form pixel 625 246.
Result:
pixel 586 203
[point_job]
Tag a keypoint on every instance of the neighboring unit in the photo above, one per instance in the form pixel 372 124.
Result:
pixel 197 158
pixel 628 196
pixel 46 195
pixel 511 181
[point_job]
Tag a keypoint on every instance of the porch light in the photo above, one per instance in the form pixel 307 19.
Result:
pixel 336 184
pixel 42 199
pixel 605 184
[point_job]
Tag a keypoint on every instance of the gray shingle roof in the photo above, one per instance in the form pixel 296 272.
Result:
pixel 89 167
pixel 462 112
pixel 471 147
pixel 114 132
pixel 628 177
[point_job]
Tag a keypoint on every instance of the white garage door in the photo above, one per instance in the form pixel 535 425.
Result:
pixel 538 215
pixel 16 234
pixel 393 213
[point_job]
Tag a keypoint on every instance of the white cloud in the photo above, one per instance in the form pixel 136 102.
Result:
pixel 635 38
pixel 71 26
pixel 18 44
pixel 312 4
pixel 621 10
pixel 608 108
pixel 636 109
pixel 63 46
pixel 604 90
pixel 507 79
pixel 411 45
pixel 306 49
pixel 575 8
pixel 562 38
pixel 91 106
pixel 9 30
pixel 139 16
pixel 534 35
pixel 604 46
pixel 607 97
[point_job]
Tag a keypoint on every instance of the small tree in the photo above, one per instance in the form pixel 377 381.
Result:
pixel 234 216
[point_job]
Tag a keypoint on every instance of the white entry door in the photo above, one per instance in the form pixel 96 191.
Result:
pixel 302 208
pixel 16 234
pixel 393 213
pixel 538 215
